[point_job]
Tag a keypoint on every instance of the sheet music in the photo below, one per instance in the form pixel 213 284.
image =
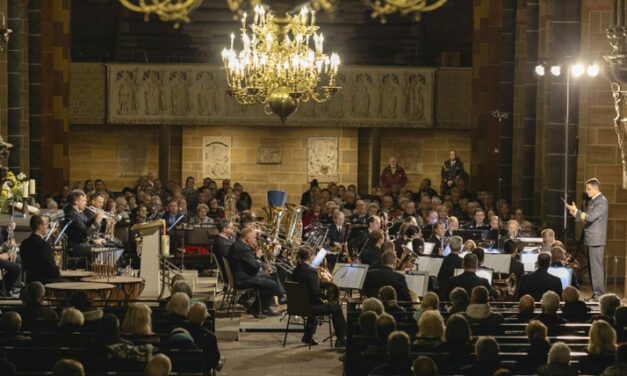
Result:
pixel 564 274
pixel 417 282
pixel 349 276
pixel 428 248
pixel 529 261
pixel 322 253
pixel 500 263
pixel 430 265
pixel 530 240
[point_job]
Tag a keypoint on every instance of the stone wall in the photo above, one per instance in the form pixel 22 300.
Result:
pixel 421 152
pixel 598 144
pixel 112 153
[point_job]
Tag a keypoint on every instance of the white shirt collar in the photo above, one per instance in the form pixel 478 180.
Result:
pixel 595 196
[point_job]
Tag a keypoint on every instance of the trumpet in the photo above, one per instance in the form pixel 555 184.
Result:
pixel 105 214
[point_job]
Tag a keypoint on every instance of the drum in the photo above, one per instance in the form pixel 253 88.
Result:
pixel 61 291
pixel 126 288
pixel 75 275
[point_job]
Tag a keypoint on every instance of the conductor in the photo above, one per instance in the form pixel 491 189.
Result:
pixel 595 229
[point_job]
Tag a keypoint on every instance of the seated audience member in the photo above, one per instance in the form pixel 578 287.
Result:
pixel 574 310
pixel 487 352
pixel 430 332
pixel 111 331
pixel 71 320
pixel 549 316
pixel 180 339
pixel 457 337
pixel 81 301
pixel 68 367
pixel 137 324
pixel 469 279
pixel 479 312
pixel 177 309
pixel 459 300
pixel 619 368
pixel 387 295
pixel 203 338
pixel 526 307
pixel 372 304
pixel 424 366
pixel 386 275
pixel 182 286
pixel 374 355
pixel 601 348
pixel 608 303
pixel 35 315
pixel 367 324
pixel 11 327
pixel 430 302
pixel 159 365
pixel 620 316
pixel 539 345
pixel 540 281
pixel 398 356
pixel 558 362
pixel 365 337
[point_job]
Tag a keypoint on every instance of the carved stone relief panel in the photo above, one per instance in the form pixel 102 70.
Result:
pixel 216 157
pixel 322 159
pixel 196 94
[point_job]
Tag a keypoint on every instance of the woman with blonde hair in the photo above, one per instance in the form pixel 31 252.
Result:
pixel 601 348
pixel 469 246
pixel 430 332
pixel 137 325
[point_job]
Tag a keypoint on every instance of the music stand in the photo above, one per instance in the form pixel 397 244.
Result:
pixel 350 276
pixel 418 282
pixel 67 225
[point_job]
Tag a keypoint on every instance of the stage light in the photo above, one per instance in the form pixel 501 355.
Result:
pixel 577 70
pixel 556 70
pixel 593 70
pixel 540 71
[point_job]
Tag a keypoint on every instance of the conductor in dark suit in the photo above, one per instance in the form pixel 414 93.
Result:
pixel 540 281
pixel 452 168
pixel 468 280
pixel 451 262
pixel 304 273
pixel 246 270
pixel 386 276
pixel 595 230
pixel 37 255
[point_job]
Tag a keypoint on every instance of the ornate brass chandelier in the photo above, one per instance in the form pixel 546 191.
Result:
pixel 277 66
pixel 166 10
pixel 239 6
pixel 383 8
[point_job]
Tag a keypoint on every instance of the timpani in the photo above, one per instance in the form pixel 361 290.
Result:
pixel 62 291
pixel 75 275
pixel 126 288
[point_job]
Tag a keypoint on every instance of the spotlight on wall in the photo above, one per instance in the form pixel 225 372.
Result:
pixel 540 70
pixel 556 70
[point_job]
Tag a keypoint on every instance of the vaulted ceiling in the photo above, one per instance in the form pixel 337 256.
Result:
pixel 102 30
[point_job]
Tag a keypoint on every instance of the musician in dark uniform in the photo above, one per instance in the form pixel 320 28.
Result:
pixel 386 276
pixel 37 255
pixel 246 270
pixel 11 269
pixel 337 230
pixel 479 222
pixel 304 273
pixel 371 255
pixel 223 242
pixel 437 237
pixel 452 168
pixel 81 228
pixel 411 234
pixel 468 280
pixel 358 240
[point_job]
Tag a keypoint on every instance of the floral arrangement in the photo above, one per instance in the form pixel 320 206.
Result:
pixel 12 188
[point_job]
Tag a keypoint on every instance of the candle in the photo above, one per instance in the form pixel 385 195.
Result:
pixel 165 245
pixel 31 187
pixel 25 189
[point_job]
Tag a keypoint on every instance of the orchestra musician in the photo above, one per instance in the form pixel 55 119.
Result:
pixel 393 177
pixel 223 242
pixel 37 254
pixel 513 229
pixel 244 259
pixel 468 280
pixel 479 222
pixel 452 168
pixel 304 273
pixel 386 275
pixel 451 262
pixel 437 237
pixel 548 239
pixel 453 225
pixel 408 233
pixel 10 266
pixel 358 239
pixel 371 255
pixel 215 211
pixel 96 201
pixel 81 228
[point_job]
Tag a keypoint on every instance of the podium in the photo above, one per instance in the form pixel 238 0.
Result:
pixel 150 253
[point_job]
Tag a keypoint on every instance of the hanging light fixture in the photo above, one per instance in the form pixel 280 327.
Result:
pixel 282 62
pixel 383 8
pixel 167 10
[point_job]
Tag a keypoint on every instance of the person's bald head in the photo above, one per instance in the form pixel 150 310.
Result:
pixel 198 313
pixel 159 365
pixel 424 366
pixel 526 304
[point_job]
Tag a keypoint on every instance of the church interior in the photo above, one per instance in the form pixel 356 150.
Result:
pixel 313 187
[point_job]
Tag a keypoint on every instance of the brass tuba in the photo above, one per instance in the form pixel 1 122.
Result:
pixel 507 289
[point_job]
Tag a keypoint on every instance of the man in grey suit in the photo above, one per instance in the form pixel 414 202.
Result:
pixel 595 228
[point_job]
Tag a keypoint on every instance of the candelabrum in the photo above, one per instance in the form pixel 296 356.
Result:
pixel 617 61
pixel 281 63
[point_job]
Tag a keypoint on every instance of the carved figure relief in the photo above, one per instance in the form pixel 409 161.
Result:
pixel 216 157
pixel 125 94
pixel 415 97
pixel 322 154
pixel 390 96
pixel 269 154
pixel 152 92
pixel 361 96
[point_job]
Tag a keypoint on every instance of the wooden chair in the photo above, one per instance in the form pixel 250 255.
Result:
pixel 232 293
pixel 298 305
